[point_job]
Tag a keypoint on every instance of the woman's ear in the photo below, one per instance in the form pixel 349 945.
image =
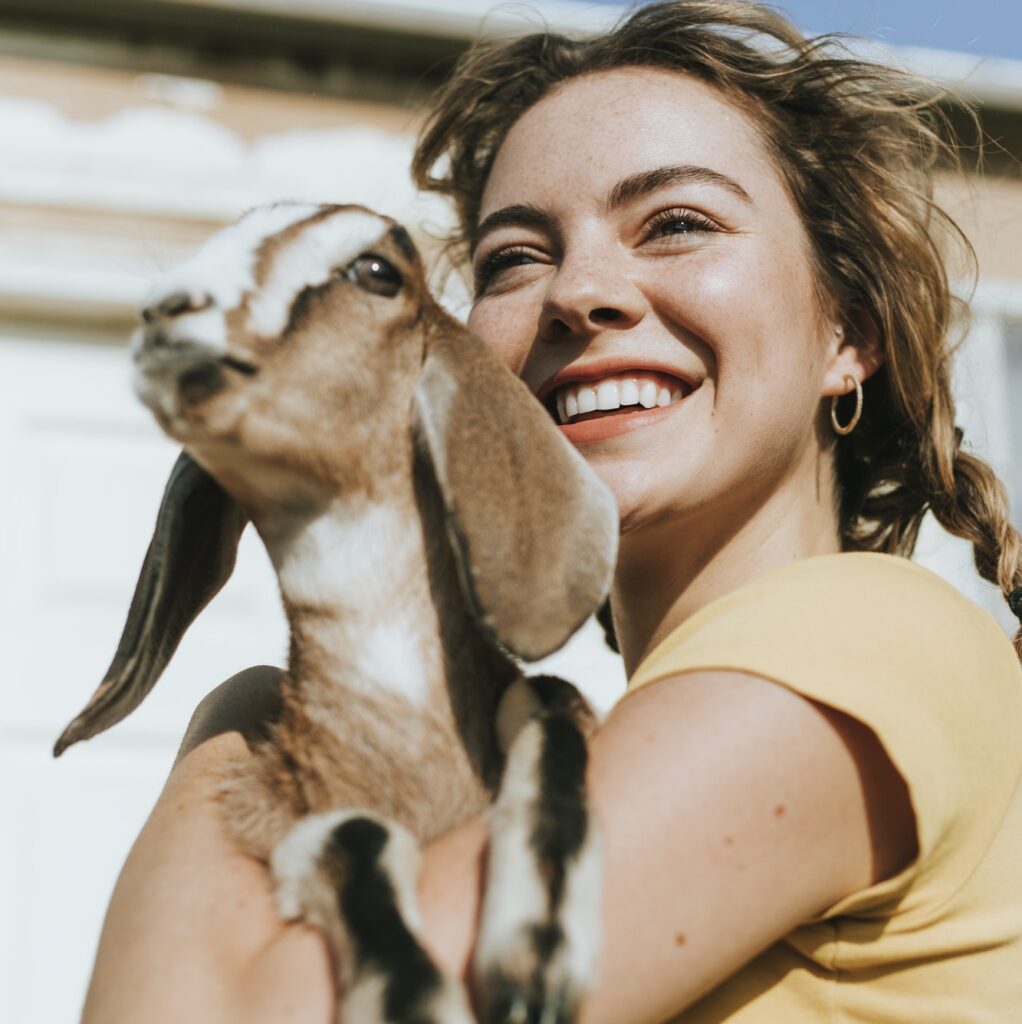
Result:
pixel 854 350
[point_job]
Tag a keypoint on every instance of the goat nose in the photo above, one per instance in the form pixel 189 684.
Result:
pixel 175 305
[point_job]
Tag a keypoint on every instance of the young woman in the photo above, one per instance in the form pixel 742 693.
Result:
pixel 809 795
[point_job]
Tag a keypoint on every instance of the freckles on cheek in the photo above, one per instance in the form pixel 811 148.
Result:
pixel 745 286
pixel 722 282
pixel 508 327
pixel 730 311
pixel 488 329
pixel 760 315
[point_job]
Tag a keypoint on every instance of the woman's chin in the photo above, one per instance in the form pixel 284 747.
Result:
pixel 642 505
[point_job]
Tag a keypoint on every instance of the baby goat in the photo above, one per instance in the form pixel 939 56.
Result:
pixel 428 526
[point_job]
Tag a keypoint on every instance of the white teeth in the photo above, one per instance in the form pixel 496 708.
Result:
pixel 577 399
pixel 586 400
pixel 629 392
pixel 608 395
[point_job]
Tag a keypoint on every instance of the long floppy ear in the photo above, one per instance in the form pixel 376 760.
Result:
pixel 190 558
pixel 534 530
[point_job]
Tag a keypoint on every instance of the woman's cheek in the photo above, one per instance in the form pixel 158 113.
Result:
pixel 496 327
pixel 744 318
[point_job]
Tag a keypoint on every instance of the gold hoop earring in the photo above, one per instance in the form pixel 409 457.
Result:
pixel 853 422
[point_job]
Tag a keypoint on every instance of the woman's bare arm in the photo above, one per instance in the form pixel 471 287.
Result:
pixel 732 808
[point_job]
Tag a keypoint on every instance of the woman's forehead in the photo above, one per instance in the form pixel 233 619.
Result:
pixel 591 132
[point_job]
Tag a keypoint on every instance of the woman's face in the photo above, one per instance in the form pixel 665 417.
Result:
pixel 637 247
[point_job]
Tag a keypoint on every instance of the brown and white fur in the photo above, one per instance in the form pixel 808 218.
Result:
pixel 428 527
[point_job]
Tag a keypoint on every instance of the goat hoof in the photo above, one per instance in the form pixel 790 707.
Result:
pixel 509 1005
pixel 517 1012
pixel 505 1000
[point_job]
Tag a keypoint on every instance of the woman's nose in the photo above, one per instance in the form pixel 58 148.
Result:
pixel 585 298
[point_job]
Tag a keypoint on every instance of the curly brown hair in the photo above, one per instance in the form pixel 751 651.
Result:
pixel 857 144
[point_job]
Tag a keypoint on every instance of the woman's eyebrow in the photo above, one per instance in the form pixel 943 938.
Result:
pixel 518 215
pixel 527 215
pixel 644 182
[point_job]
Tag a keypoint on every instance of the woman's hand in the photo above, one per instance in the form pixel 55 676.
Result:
pixel 191 932
pixel 732 811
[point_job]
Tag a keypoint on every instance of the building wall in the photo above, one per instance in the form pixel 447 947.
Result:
pixel 989 209
pixel 107 176
pixel 988 371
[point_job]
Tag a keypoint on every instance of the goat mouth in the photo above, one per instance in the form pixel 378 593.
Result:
pixel 198 383
pixel 193 371
pixel 233 363
pixel 202 381
pixel 178 357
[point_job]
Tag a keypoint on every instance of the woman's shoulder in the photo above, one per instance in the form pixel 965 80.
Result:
pixel 875 636
pixel 870 580
pixel 850 612
pixel 861 584
pixel 894 647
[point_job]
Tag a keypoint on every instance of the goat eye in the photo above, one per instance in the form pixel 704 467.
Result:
pixel 374 274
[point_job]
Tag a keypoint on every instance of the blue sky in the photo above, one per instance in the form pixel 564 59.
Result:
pixel 983 27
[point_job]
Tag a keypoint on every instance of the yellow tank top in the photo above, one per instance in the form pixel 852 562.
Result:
pixel 935 678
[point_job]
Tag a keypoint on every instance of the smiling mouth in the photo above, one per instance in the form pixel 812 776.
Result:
pixel 615 396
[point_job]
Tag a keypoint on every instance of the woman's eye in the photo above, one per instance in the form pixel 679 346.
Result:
pixel 500 261
pixel 680 222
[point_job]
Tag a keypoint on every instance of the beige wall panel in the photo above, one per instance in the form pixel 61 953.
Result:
pixel 990 212
pixel 84 92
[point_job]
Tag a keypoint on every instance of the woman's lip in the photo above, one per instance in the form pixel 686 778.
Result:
pixel 590 431
pixel 597 371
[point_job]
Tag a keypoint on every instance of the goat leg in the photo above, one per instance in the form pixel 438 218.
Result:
pixel 540 924
pixel 354 875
